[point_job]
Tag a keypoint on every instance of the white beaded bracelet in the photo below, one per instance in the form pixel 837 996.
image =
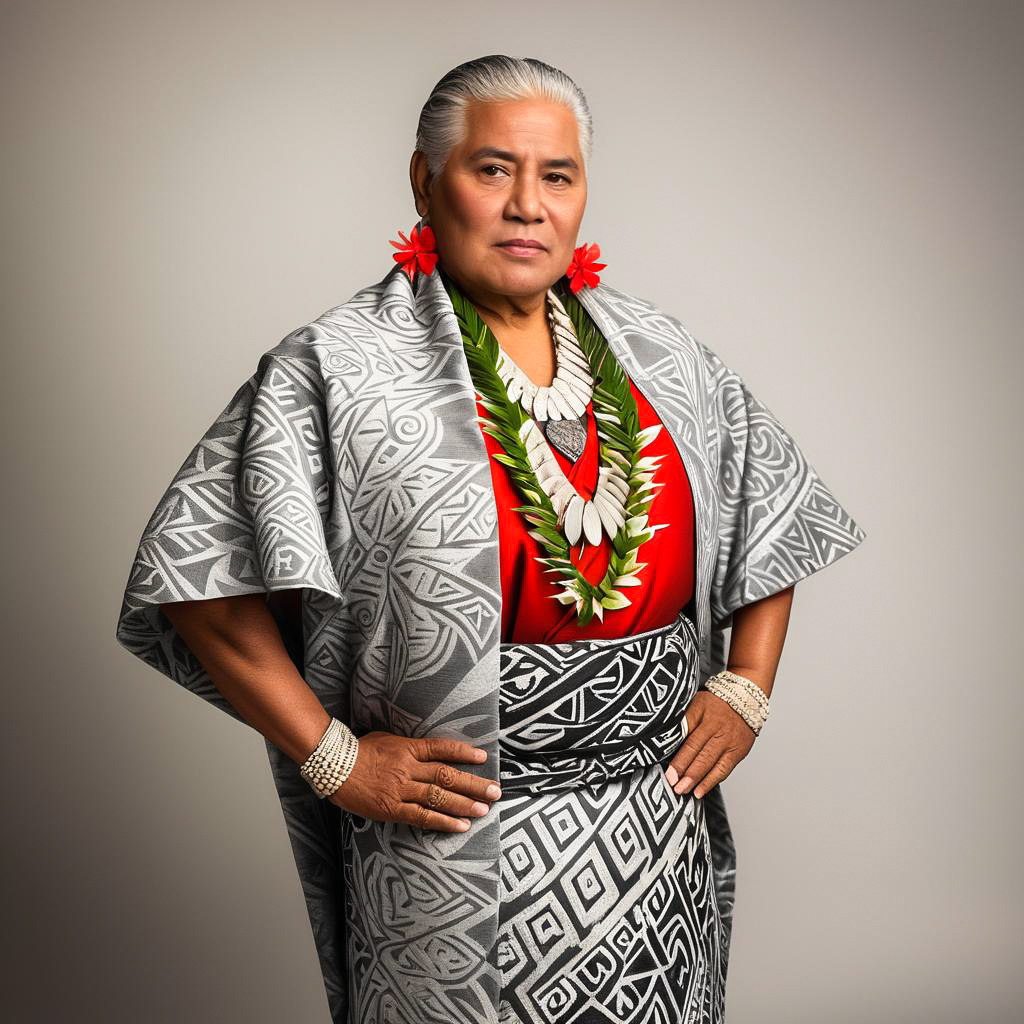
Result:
pixel 332 761
pixel 743 695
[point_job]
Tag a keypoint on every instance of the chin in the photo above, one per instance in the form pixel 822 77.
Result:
pixel 524 280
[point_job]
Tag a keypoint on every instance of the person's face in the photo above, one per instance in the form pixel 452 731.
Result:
pixel 517 174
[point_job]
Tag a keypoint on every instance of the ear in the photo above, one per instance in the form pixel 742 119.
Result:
pixel 421 180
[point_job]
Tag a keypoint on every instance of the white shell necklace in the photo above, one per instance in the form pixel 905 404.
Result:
pixel 567 396
pixel 566 400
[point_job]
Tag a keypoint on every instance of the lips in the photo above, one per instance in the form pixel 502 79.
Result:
pixel 521 243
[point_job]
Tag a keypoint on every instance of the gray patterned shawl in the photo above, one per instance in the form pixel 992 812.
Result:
pixel 351 464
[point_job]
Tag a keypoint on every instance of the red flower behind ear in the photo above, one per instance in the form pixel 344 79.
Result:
pixel 583 268
pixel 416 252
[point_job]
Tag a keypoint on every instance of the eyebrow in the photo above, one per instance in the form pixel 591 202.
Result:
pixel 504 154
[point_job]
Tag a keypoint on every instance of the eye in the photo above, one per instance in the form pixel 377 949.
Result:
pixel 555 174
pixel 492 167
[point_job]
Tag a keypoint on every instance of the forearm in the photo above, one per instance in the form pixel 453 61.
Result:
pixel 238 643
pixel 758 635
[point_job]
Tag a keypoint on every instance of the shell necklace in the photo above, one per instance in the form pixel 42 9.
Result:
pixel 554 510
pixel 559 407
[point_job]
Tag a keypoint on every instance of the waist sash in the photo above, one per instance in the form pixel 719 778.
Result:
pixel 580 713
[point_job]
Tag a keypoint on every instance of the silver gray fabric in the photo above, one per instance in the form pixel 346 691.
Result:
pixel 351 465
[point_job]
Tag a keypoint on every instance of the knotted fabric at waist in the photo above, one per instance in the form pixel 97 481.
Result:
pixel 580 713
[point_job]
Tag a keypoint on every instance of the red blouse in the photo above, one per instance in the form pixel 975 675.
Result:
pixel 530 614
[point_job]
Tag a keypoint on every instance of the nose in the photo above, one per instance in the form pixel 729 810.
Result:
pixel 524 201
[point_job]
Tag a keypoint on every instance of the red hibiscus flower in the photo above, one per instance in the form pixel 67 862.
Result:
pixel 583 270
pixel 416 252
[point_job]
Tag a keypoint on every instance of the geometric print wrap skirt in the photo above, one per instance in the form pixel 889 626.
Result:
pixel 608 910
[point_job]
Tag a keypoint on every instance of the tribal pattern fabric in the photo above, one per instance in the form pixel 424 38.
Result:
pixel 351 465
pixel 608 909
pixel 578 714
pixel 608 905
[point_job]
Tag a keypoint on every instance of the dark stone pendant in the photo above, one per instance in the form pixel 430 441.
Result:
pixel 567 436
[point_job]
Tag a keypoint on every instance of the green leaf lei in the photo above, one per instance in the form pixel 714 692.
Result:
pixel 621 442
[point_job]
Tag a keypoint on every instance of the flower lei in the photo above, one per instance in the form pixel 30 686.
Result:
pixel 621 441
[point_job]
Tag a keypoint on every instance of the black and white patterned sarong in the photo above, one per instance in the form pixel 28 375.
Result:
pixel 608 909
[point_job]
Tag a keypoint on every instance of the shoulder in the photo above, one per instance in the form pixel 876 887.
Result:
pixel 339 333
pixel 644 323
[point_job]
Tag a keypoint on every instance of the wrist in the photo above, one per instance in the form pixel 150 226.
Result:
pixel 331 762
pixel 743 695
pixel 312 733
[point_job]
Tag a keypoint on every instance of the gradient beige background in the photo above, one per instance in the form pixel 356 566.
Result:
pixel 827 194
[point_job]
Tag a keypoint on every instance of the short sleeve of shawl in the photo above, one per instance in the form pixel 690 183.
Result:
pixel 246 513
pixel 779 522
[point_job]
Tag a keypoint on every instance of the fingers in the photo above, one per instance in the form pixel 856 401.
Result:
pixel 709 752
pixel 692 744
pixel 438 748
pixel 718 771
pixel 693 768
pixel 421 816
pixel 442 797
pixel 670 772
pixel 457 781
pixel 435 797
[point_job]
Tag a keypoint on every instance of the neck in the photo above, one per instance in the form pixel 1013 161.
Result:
pixel 505 314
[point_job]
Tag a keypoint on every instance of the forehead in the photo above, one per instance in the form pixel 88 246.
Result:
pixel 525 127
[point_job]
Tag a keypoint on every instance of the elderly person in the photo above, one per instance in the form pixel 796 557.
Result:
pixel 463 550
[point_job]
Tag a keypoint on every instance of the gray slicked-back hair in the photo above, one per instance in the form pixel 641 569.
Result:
pixel 494 78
